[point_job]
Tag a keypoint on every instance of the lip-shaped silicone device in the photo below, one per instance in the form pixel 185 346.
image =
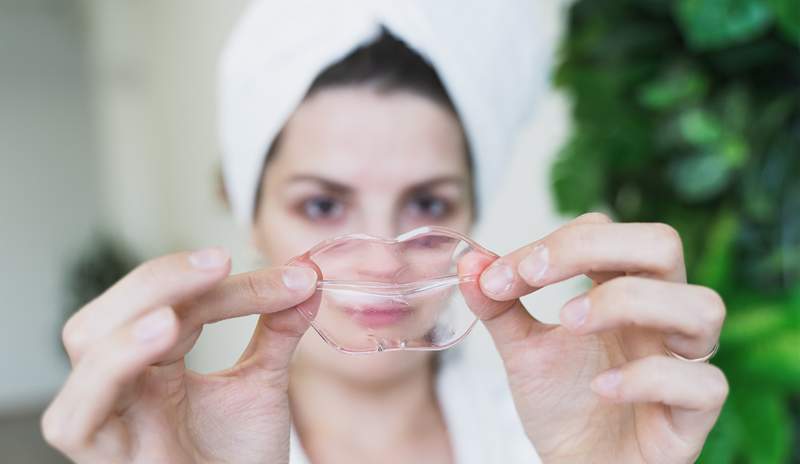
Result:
pixel 378 294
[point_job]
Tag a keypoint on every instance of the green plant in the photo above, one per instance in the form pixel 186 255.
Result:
pixel 688 112
pixel 97 267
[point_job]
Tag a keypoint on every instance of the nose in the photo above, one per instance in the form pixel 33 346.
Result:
pixel 381 262
pixel 380 225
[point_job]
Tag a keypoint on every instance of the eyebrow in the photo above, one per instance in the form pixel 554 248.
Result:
pixel 343 189
pixel 326 184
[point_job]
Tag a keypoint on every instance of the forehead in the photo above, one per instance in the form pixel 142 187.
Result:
pixel 359 134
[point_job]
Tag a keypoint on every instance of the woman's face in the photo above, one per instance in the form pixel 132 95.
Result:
pixel 353 159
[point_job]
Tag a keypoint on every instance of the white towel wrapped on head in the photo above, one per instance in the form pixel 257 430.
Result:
pixel 488 54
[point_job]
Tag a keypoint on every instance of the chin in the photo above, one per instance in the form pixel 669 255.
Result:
pixel 365 370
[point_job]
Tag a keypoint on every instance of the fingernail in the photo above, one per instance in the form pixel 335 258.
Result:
pixel 498 279
pixel 299 278
pixel 153 325
pixel 574 314
pixel 534 266
pixel 606 384
pixel 209 258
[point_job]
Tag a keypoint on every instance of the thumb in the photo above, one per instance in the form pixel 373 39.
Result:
pixel 508 322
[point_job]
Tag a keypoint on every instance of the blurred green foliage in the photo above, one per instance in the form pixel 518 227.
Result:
pixel 98 266
pixel 688 112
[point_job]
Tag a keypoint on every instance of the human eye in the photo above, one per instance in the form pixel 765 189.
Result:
pixel 322 209
pixel 429 207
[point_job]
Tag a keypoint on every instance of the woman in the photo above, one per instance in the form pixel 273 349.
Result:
pixel 377 145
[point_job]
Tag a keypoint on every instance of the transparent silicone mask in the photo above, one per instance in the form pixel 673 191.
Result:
pixel 377 294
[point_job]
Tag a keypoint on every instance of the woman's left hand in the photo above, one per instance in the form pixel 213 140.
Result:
pixel 599 387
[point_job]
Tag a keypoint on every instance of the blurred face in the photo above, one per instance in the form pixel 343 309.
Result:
pixel 353 159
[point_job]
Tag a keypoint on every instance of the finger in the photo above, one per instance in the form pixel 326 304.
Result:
pixel 270 290
pixel 163 281
pixel 507 321
pixel 591 218
pixel 272 345
pixel 89 395
pixel 278 332
pixel 595 218
pixel 689 316
pixel 259 292
pixel 694 391
pixel 649 249
pixel 505 278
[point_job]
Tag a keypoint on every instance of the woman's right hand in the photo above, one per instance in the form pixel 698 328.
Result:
pixel 129 398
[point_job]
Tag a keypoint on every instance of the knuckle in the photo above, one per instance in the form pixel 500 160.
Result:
pixel 148 274
pixel 57 435
pixel 618 292
pixel 610 291
pixel 51 430
pixel 713 311
pixel 708 315
pixel 670 244
pixel 260 286
pixel 595 217
pixel 620 286
pixel 72 335
pixel 717 386
pixel 666 232
pixel 159 271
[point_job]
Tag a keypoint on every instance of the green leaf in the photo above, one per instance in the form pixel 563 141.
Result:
pixel 713 24
pixel 724 440
pixel 766 424
pixel 775 360
pixel 699 127
pixel 733 149
pixel 749 325
pixel 787 15
pixel 577 177
pixel 704 130
pixel 735 108
pixel 774 115
pixel 700 177
pixel 678 86
pixel 717 261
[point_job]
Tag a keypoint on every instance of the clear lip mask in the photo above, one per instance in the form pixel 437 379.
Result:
pixel 379 294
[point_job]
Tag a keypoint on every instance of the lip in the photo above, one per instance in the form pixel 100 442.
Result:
pixel 379 315
pixel 381 311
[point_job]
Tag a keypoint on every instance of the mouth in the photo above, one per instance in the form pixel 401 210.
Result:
pixel 379 315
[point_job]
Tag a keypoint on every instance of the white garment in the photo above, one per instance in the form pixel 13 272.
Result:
pixel 476 403
pixel 492 57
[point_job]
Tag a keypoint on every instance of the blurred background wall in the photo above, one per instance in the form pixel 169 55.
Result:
pixel 49 185
pixel 107 129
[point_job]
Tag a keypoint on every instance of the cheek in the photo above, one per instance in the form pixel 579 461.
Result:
pixel 280 236
pixel 460 221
